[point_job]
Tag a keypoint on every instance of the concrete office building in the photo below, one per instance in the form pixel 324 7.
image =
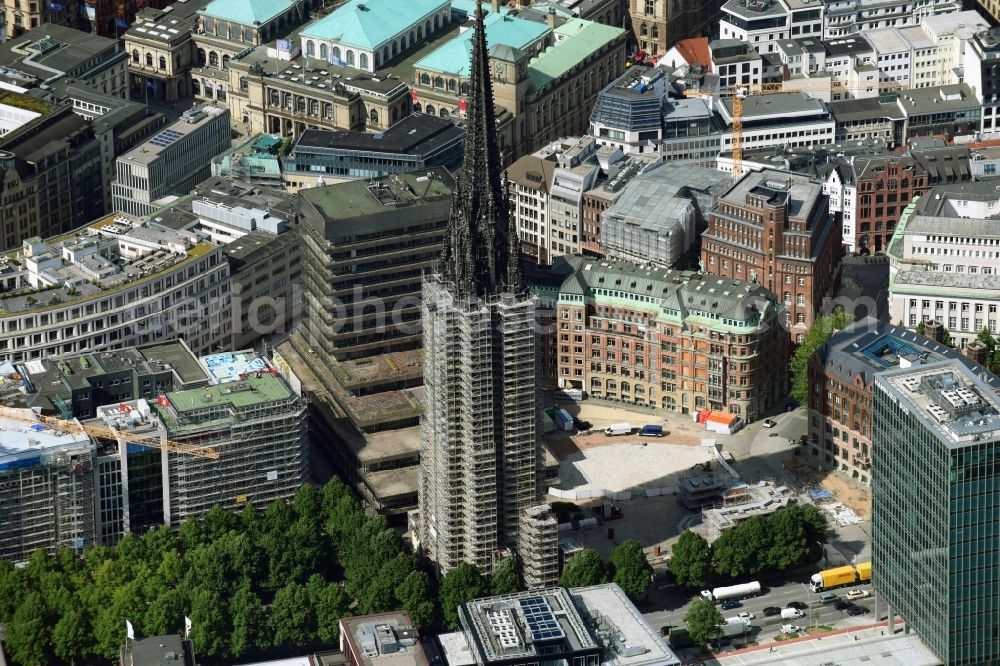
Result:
pixel 944 261
pixel 117 283
pixel 481 464
pixel 383 639
pixel 775 228
pixel 46 488
pixel 841 375
pixel 247 413
pixel 173 161
pixel 584 626
pixel 160 55
pixel 936 453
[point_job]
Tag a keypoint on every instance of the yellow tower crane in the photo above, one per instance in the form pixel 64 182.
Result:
pixel 151 440
pixel 739 93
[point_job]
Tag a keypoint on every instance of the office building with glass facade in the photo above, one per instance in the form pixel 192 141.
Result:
pixel 936 507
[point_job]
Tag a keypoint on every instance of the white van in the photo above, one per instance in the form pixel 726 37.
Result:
pixel 618 429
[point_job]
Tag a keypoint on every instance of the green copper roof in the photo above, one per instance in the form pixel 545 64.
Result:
pixel 247 12
pixel 576 39
pixel 467 8
pixel 453 57
pixel 367 24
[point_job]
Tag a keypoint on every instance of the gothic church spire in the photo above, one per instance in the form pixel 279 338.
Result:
pixel 481 254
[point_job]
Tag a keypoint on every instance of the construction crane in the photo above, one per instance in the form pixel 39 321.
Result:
pixel 151 440
pixel 740 92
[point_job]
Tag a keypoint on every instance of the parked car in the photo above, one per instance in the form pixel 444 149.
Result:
pixel 771 611
pixel 858 594
pixel 730 604
pixel 798 605
pixel 746 615
pixel 857 610
pixel 842 605
pixel 770 423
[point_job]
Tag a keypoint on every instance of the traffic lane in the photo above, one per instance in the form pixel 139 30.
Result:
pixel 775 596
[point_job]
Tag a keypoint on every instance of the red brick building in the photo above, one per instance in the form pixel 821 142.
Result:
pixel 774 228
pixel 660 338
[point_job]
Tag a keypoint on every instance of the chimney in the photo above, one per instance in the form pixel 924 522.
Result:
pixel 976 351
pixel 495 6
pixel 934 330
pixel 551 17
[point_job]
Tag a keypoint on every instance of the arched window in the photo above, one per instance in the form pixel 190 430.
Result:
pixel 313 107
pixel 656 32
pixel 595 381
pixel 225 61
pixel 149 59
pixel 324 52
pixel 787 298
pixel 310 48
pixel 412 39
pixel 465 88
pixel 374 117
pixel 429 110
pixel 451 85
pixel 625 387
pixel 243 84
pixel 195 87
pixel 438 82
pixel 327 110
pixel 336 53
pixel 643 30
pixel 286 100
pixel 201 57
pixel 444 112
pixel 209 90
pixel 363 61
pixel 300 103
pixel 425 79
pixel 220 93
pixel 135 55
pixel 213 59
pixel 416 107
pixel 163 62
pixel 350 58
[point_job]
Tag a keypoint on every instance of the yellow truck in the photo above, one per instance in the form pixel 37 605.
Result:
pixel 840 576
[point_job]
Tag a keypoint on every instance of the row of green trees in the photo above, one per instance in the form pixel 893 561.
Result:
pixel 627 566
pixel 787 538
pixel 251 582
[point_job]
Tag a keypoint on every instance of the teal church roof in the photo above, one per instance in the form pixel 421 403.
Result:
pixel 575 40
pixel 367 24
pixel 453 57
pixel 467 8
pixel 247 12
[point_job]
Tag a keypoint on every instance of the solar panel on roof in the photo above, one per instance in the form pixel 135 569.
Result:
pixel 540 619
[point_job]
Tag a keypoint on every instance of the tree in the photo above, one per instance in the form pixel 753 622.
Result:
pixel 210 625
pixel 416 596
pixel 293 618
pixel 814 522
pixel 461 584
pixel 506 577
pixel 584 568
pixel 333 603
pixel 730 555
pixel 702 620
pixel 821 331
pixel 691 560
pixel 992 354
pixel 71 635
pixel 28 637
pixel 632 571
pixel 789 544
pixel 249 620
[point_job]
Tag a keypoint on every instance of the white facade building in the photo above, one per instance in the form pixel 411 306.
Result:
pixel 118 283
pixel 945 261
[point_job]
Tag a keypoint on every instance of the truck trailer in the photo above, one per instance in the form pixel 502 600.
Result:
pixel 735 626
pixel 840 576
pixel 732 592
